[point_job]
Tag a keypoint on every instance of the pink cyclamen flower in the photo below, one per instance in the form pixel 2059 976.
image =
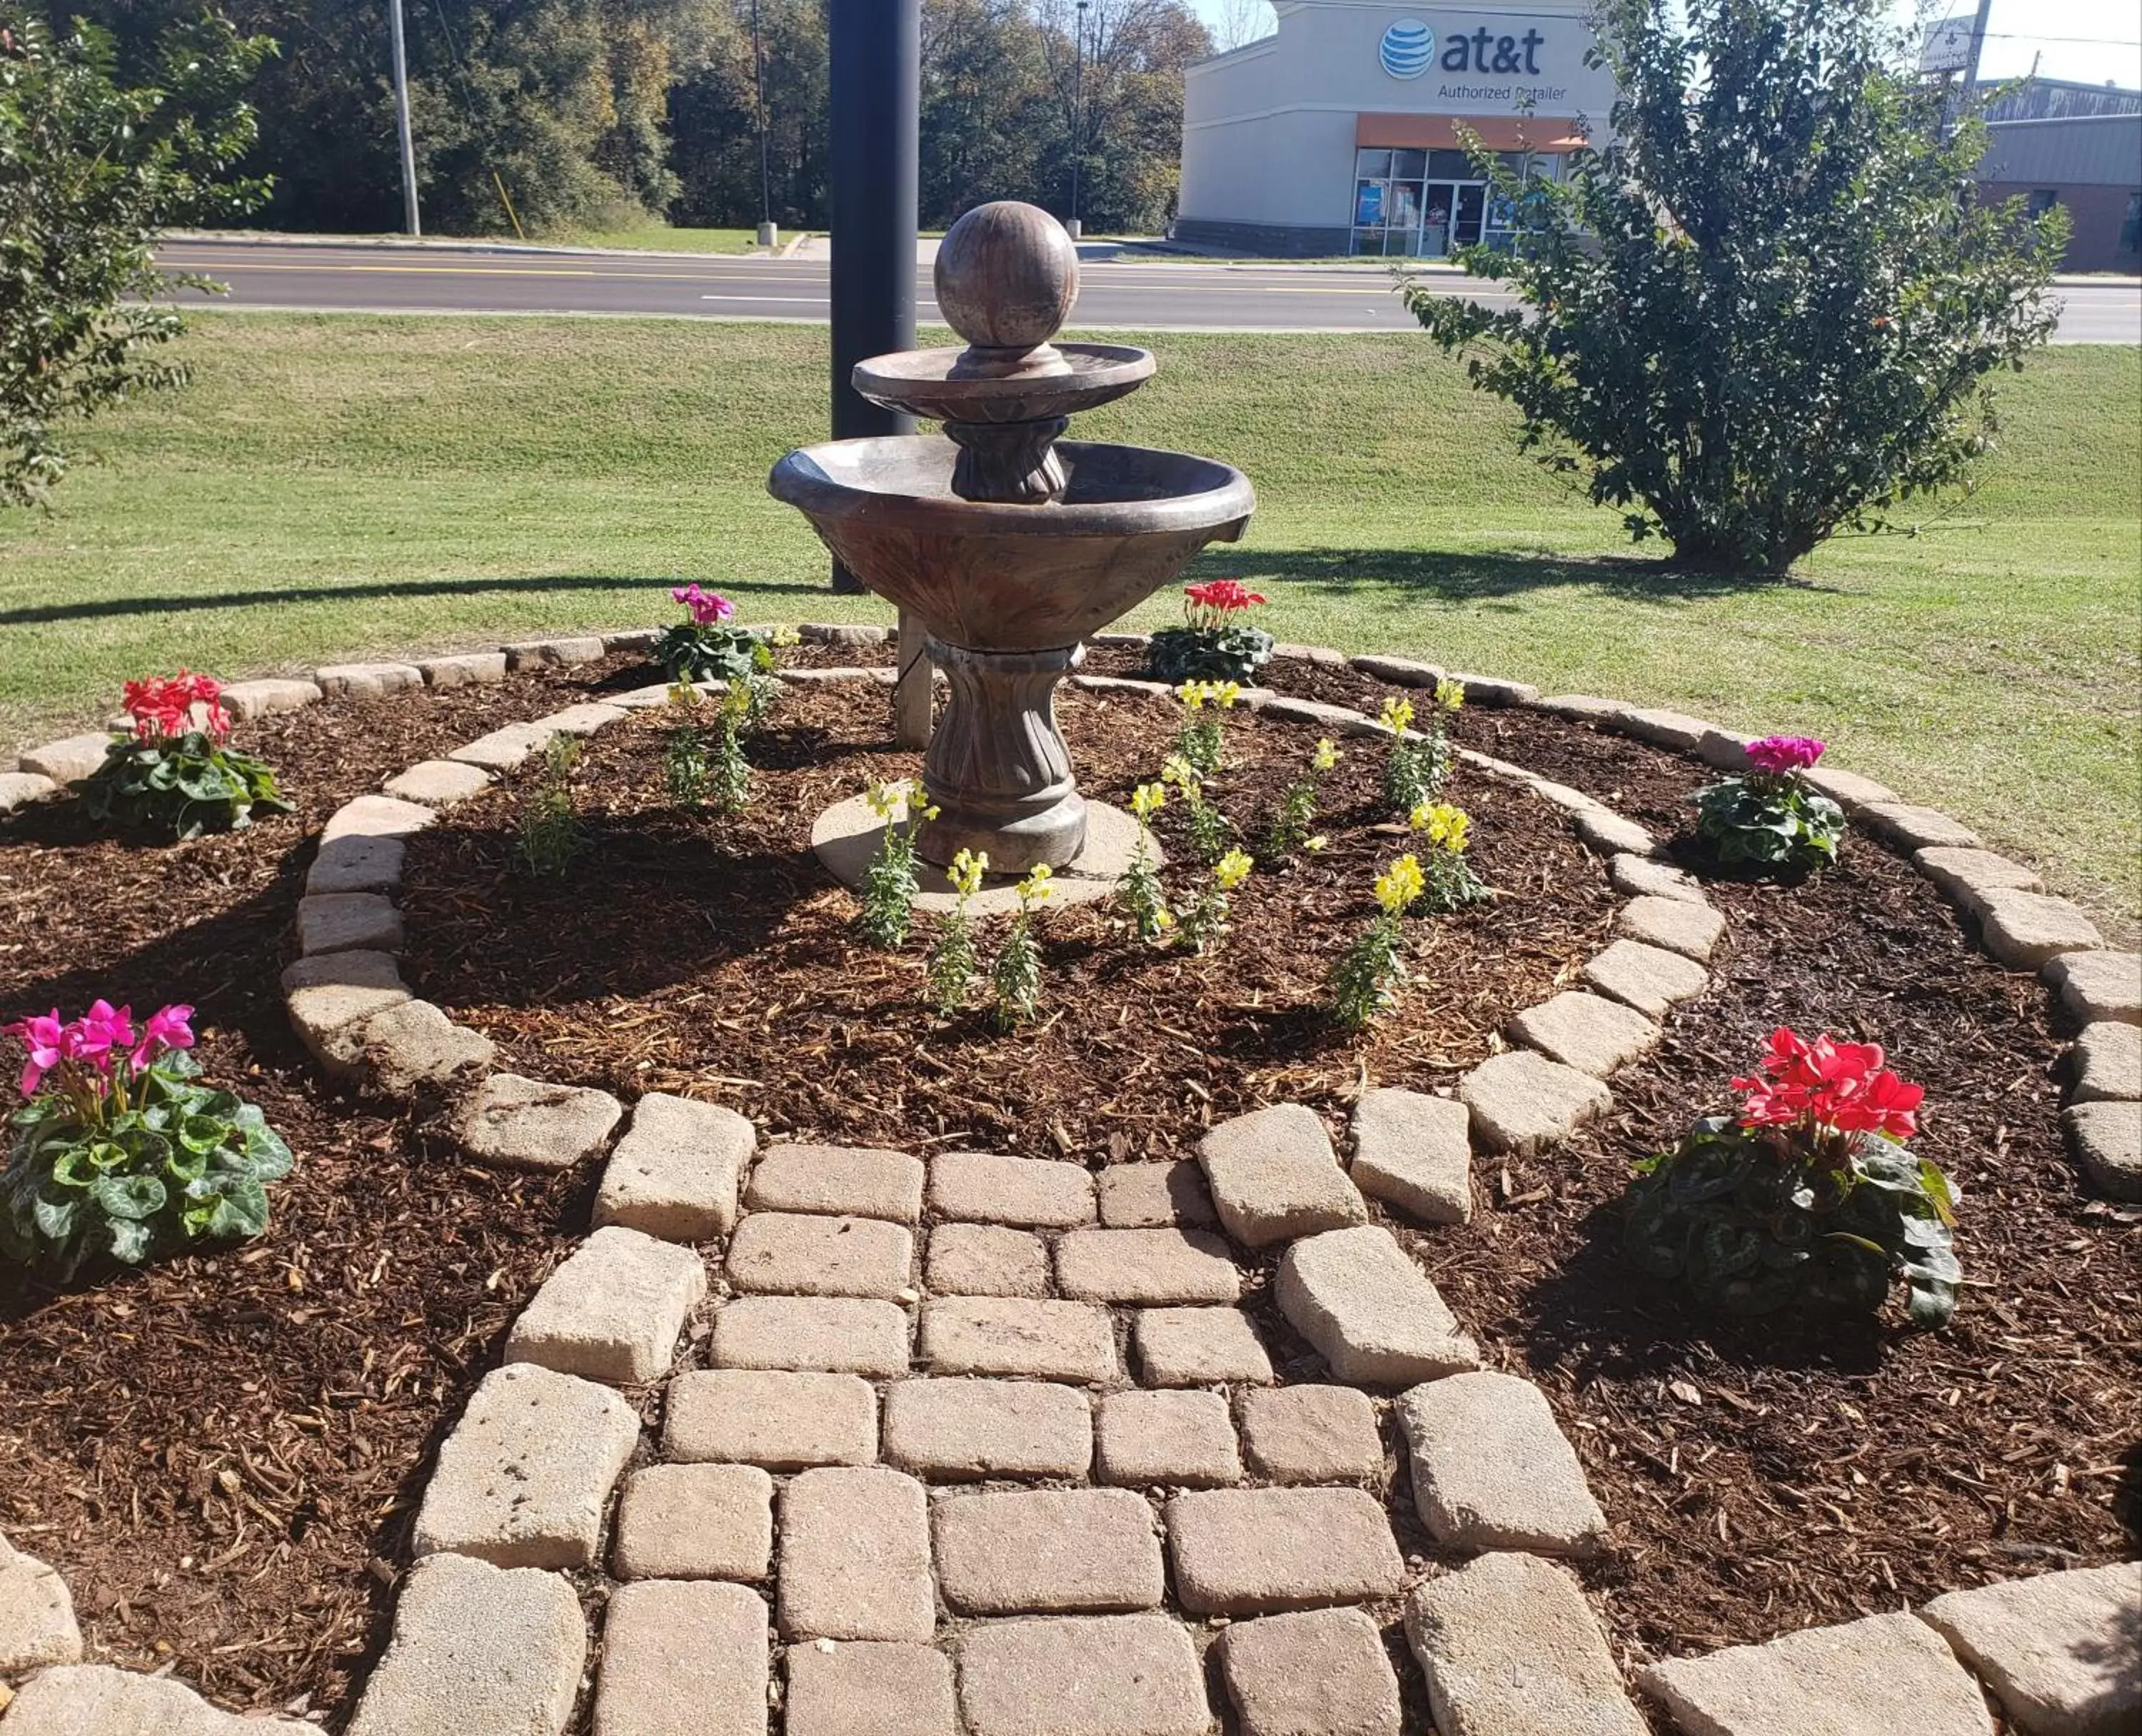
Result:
pixel 1780 754
pixel 706 608
pixel 94 1036
pixel 43 1038
pixel 168 1028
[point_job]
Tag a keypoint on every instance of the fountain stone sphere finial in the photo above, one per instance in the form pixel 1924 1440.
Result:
pixel 1007 275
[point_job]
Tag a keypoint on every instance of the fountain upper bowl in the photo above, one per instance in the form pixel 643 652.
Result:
pixel 940 384
pixel 993 577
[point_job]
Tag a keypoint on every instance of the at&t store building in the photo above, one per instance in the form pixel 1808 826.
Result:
pixel 1339 134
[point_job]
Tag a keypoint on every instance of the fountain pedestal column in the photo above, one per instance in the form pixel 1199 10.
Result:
pixel 998 770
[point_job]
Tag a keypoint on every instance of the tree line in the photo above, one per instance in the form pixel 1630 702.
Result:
pixel 605 113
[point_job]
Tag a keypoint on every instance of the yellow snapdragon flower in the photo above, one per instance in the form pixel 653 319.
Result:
pixel 1396 716
pixel 1399 884
pixel 1447 827
pixel 1450 694
pixel 1178 771
pixel 1035 886
pixel 1325 756
pixel 1148 799
pixel 1221 695
pixel 1231 870
pixel 966 871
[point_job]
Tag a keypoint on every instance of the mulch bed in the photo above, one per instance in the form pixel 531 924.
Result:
pixel 222 1454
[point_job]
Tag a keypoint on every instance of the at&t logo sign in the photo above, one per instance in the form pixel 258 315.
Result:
pixel 1407 48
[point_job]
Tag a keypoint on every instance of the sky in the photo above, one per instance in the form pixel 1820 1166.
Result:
pixel 2090 40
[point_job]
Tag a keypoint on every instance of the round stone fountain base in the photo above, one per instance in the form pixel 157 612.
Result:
pixel 847 835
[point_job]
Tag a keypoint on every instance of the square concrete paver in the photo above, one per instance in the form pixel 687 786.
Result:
pixel 1874 1677
pixel 1179 1439
pixel 1182 1347
pixel 1046 1552
pixel 1648 978
pixel 869 1688
pixel 37 1624
pixel 1164 1266
pixel 1369 1312
pixel 1104 1675
pixel 1032 1193
pixel 1154 1195
pixel 782 1420
pixel 850 1180
pixel 1249 1551
pixel 1312 1434
pixel 1274 1176
pixel 525 1478
pixel 1492 1469
pixel 682 1659
pixel 677 1171
pixel 614 1311
pixel 986 1260
pixel 1413 1153
pixel 854 1556
pixel 1320 1673
pixel 838 1335
pixel 2061 1651
pixel 1509 1646
pixel 1072 1341
pixel 477 1651
pixel 799 1254
pixel 695 1522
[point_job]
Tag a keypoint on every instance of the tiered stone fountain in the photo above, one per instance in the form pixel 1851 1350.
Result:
pixel 1009 545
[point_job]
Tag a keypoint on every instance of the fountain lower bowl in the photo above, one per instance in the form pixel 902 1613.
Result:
pixel 995 577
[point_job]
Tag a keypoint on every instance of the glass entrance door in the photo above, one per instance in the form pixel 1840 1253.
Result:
pixel 1399 214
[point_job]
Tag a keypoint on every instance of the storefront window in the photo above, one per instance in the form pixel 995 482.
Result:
pixel 1372 165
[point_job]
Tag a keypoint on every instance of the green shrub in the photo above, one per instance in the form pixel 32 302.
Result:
pixel 1771 308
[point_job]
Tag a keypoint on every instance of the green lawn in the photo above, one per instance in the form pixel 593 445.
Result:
pixel 661 237
pixel 334 486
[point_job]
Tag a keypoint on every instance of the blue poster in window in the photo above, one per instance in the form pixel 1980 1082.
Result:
pixel 1368 204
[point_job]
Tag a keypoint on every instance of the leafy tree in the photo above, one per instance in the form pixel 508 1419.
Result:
pixel 90 170
pixel 1771 308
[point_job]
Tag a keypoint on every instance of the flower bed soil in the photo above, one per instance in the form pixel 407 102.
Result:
pixel 221 1454
pixel 686 953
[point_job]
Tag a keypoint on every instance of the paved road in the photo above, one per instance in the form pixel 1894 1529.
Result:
pixel 1142 293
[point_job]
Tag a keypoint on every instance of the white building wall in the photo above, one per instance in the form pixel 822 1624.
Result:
pixel 1269 129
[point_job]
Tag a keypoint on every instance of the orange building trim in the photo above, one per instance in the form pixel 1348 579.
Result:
pixel 1439 132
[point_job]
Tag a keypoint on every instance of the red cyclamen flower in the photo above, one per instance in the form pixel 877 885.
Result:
pixel 1837 1087
pixel 162 708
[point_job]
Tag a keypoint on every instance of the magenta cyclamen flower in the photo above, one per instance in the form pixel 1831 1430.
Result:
pixel 168 1028
pixel 44 1039
pixel 706 608
pixel 97 1032
pixel 1779 754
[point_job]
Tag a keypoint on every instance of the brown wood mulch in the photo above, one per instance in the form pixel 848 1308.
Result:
pixel 222 1454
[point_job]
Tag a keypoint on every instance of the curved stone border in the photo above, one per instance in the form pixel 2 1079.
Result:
pixel 490 1581
pixel 2020 926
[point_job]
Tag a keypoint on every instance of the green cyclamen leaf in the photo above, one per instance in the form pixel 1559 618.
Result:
pixel 242 1210
pixel 129 1239
pixel 131 1197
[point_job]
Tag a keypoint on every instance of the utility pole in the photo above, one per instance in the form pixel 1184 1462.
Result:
pixel 1978 48
pixel 409 220
pixel 768 233
pixel 1078 111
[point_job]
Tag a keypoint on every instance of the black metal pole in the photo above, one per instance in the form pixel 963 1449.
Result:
pixel 876 98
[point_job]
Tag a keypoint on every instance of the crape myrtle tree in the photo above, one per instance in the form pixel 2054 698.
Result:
pixel 1771 308
pixel 90 170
